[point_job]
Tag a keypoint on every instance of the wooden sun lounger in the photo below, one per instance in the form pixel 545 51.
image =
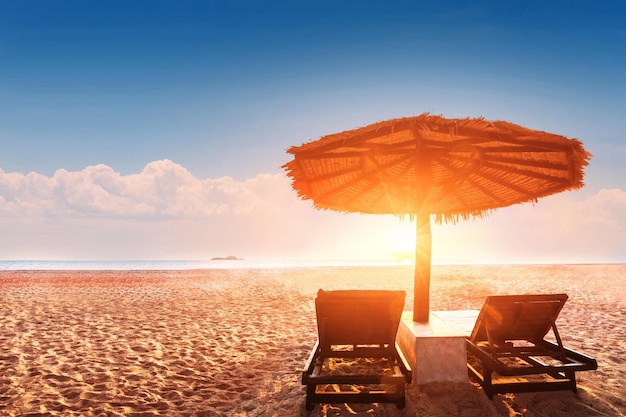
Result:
pixel 357 325
pixel 508 351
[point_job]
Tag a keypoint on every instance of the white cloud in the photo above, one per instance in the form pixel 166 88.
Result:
pixel 165 212
pixel 163 189
pixel 567 227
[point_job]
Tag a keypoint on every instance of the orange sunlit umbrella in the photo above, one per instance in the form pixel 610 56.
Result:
pixel 450 168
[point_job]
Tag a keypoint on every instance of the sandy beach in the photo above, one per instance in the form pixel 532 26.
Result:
pixel 233 342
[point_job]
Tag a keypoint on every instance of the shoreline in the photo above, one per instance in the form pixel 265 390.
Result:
pixel 209 265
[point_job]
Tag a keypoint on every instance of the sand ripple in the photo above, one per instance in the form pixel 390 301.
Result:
pixel 233 342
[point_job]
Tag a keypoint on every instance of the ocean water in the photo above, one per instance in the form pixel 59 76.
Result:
pixel 174 265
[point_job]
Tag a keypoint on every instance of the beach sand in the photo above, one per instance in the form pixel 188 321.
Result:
pixel 233 342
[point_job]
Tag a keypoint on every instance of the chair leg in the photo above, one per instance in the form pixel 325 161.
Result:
pixel 402 400
pixel 572 378
pixel 487 385
pixel 401 404
pixel 310 393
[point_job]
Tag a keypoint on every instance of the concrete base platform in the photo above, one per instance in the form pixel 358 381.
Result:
pixel 436 350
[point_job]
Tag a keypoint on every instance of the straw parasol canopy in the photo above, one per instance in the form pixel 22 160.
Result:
pixel 427 165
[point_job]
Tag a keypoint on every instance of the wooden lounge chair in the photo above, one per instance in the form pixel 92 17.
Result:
pixel 356 359
pixel 508 351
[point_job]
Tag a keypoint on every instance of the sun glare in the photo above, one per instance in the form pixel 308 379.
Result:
pixel 402 242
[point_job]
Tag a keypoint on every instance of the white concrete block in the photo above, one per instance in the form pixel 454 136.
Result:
pixel 435 350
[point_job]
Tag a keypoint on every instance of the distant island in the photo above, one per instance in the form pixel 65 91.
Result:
pixel 226 258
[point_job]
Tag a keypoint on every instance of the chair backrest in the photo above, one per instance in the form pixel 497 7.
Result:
pixel 358 317
pixel 517 317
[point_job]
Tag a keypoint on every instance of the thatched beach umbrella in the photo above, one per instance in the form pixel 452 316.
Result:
pixel 450 168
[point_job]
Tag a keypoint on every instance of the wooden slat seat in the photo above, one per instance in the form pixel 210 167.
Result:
pixel 357 324
pixel 509 340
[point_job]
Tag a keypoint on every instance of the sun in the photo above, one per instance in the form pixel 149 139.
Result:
pixel 402 242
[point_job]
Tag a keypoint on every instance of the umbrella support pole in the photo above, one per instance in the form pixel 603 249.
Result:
pixel 421 284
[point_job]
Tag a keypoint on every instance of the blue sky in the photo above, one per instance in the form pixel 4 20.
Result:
pixel 198 101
